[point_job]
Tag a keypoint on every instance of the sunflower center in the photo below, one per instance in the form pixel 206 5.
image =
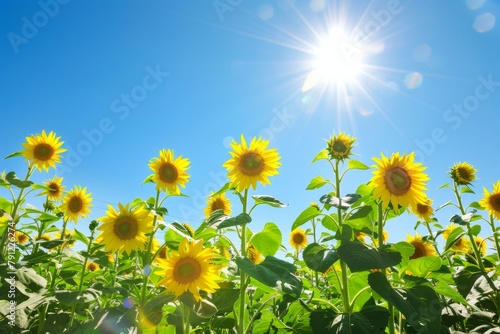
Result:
pixel 495 202
pixel 53 188
pixel 298 238
pixel 419 251
pixel 398 181
pixel 218 204
pixel 339 146
pixel 75 204
pixel 463 173
pixel 422 208
pixel 125 228
pixel 187 270
pixel 168 173
pixel 43 152
pixel 251 164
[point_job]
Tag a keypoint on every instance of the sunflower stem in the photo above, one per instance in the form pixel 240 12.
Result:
pixel 241 322
pixel 316 275
pixel 495 236
pixel 459 199
pixel 147 256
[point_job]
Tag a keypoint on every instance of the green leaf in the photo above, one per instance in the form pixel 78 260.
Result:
pixel 12 179
pixel 15 154
pixel 362 212
pixel 361 218
pixel 317 183
pixel 30 279
pixel 423 265
pixel 269 200
pixel 446 185
pixel 224 299
pixel 222 190
pixel 462 220
pixel 406 249
pixel 419 304
pixel 321 320
pixel 240 219
pixel 222 323
pixel 149 179
pixel 319 258
pixel 273 272
pixel 475 229
pixel 466 190
pixel 330 222
pixel 444 205
pixel 378 317
pixel 447 291
pixel 81 237
pixel 355 164
pixel 351 323
pixel 152 311
pixel 359 257
pixel 453 237
pixel 322 155
pixel 344 202
pixel 268 241
pixel 305 216
pixel 475 205
pixel 71 297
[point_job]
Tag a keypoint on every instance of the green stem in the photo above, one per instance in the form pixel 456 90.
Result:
pixel 186 315
pixel 258 311
pixel 343 266
pixel 316 275
pixel 82 275
pixel 459 199
pixel 241 321
pixel 147 255
pixel 326 302
pixel 495 236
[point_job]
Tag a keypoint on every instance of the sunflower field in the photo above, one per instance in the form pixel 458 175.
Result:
pixel 331 271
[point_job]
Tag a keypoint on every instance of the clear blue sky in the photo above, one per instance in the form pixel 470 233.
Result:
pixel 190 75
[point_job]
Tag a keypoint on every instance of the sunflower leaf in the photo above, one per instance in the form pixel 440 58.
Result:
pixel 240 219
pixel 222 190
pixel 149 179
pixel 15 154
pixel 453 237
pixel 319 258
pixel 359 257
pixel 355 164
pixel 317 183
pixel 15 181
pixel 423 265
pixel 269 200
pixel 443 205
pixel 322 155
pixel 268 241
pixel 305 216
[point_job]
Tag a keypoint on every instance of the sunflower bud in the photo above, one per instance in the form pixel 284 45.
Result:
pixel 340 146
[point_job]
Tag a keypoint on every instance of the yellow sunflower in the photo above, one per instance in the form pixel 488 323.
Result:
pixel 251 163
pixel 298 239
pixel 125 230
pixel 44 236
pixel 422 248
pixel 481 245
pixel 92 266
pixel 423 210
pixel 76 203
pixel 190 230
pixel 399 180
pixel 463 173
pixel 491 201
pixel 170 172
pixel 361 236
pixel 340 146
pixel 191 269
pixel 21 238
pixel 461 245
pixel 43 150
pixel 56 189
pixel 254 255
pixel 219 202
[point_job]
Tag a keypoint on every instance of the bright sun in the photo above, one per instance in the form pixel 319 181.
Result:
pixel 337 61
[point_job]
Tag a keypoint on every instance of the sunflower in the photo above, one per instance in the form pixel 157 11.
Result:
pixel 21 238
pixel 219 202
pixel 481 245
pixel 189 229
pixel 399 180
pixel 44 236
pixel 340 146
pixel 422 248
pixel 76 204
pixel 43 150
pixel 298 239
pixel 461 245
pixel 251 163
pixel 125 230
pixel 360 236
pixel 56 189
pixel 170 172
pixel 491 201
pixel 253 254
pixel 92 266
pixel 423 210
pixel 463 173
pixel 191 269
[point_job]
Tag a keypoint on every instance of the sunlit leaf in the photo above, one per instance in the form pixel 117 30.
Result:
pixel 269 200
pixel 319 258
pixel 267 241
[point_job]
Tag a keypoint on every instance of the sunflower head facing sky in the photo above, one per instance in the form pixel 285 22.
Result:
pixel 170 172
pixel 423 210
pixel 125 230
pixel 219 202
pixel 340 146
pixel 191 269
pixel 56 189
pixel 298 239
pixel 76 203
pixel 251 163
pixel 399 181
pixel 491 201
pixel 42 150
pixel 463 173
pixel 422 248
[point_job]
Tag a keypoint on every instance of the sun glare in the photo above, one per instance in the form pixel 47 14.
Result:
pixel 337 61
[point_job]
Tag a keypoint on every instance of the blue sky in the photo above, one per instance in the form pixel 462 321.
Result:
pixel 122 79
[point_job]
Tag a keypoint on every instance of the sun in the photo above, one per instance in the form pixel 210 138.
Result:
pixel 337 60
